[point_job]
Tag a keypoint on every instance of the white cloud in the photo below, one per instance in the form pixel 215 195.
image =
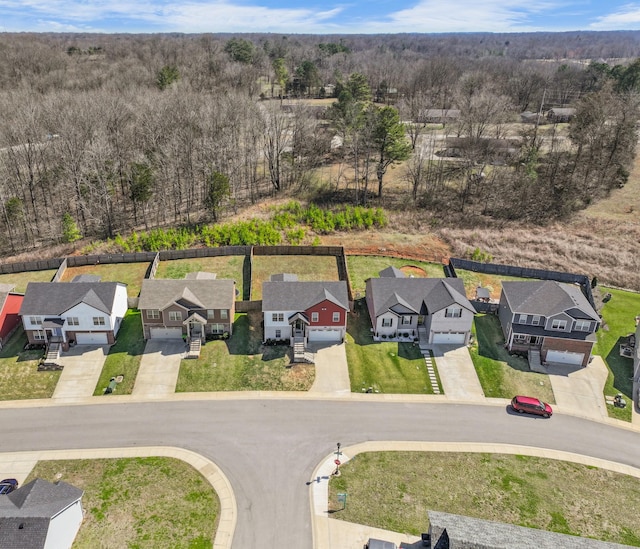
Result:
pixel 626 18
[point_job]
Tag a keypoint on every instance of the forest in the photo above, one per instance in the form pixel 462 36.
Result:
pixel 103 135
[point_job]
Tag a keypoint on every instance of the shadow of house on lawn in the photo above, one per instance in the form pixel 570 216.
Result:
pixel 359 323
pixel 491 343
pixel 622 369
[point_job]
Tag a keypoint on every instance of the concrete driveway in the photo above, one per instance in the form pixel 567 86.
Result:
pixel 159 368
pixel 332 372
pixel 457 373
pixel 578 390
pixel 82 368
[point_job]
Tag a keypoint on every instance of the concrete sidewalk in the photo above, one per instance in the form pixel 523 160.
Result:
pixel 159 368
pixel 82 368
pixel 332 372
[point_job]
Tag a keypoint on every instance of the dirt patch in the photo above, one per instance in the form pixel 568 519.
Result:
pixel 413 272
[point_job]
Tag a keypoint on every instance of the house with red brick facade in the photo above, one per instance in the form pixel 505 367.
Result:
pixel 551 321
pixel 10 303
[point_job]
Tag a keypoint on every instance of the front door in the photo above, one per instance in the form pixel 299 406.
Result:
pixel 420 320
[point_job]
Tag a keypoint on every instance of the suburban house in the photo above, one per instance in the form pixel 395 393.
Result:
pixel 193 307
pixel 64 313
pixel 41 515
pixel 551 321
pixel 435 310
pixel 448 531
pixel 438 116
pixel 10 303
pixel 304 312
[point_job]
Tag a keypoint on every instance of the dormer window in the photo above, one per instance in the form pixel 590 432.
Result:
pixel 558 324
pixel 583 325
pixel 453 312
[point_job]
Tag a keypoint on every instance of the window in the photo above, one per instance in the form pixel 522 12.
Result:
pixel 278 334
pixel 217 328
pixel 211 313
pixel 315 317
pixel 277 317
pixel 406 320
pixel 453 312
pixel 522 319
pixel 175 316
pixel 558 324
pixel 98 321
pixel 387 322
pixel 223 314
pixel 336 317
pixel 38 335
pixel 536 320
pixel 73 321
pixel 153 313
pixel 35 321
pixel 520 338
pixel 583 325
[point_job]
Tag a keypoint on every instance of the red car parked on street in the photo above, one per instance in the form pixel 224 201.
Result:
pixel 531 405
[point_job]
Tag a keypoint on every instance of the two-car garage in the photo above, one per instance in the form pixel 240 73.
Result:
pixel 564 357
pixel 449 338
pixel 325 335
pixel 91 338
pixel 165 333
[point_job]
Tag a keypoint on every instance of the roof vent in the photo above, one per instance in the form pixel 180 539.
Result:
pixel 21 526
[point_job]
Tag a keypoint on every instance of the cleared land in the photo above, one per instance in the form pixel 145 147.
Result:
pixel 131 274
pixel 394 490
pixel 139 502
pixel 242 363
pixel 307 267
pixel 20 280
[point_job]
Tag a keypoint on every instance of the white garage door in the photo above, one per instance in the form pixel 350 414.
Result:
pixel 325 335
pixel 449 338
pixel 98 338
pixel 166 333
pixel 563 357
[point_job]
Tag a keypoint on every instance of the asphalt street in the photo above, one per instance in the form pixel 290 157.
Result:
pixel 269 448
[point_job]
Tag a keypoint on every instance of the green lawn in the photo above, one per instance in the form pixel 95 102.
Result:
pixel 394 490
pixel 242 363
pixel 362 267
pixel 502 375
pixel 19 375
pixel 131 274
pixel 234 267
pixel 143 503
pixel 124 357
pixel 307 267
pixel 20 280
pixel 618 317
pixel 386 367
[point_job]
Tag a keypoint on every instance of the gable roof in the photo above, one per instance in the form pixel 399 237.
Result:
pixel 547 298
pixel 55 298
pixel 419 295
pixel 160 293
pixel 301 295
pixel 391 272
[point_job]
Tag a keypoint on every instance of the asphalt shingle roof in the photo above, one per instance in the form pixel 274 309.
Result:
pixel 547 298
pixel 55 298
pixel 300 295
pixel 160 293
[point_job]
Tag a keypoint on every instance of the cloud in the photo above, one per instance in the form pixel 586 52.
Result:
pixel 627 18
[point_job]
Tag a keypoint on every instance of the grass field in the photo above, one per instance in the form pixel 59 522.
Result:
pixel 618 317
pixel 493 283
pixel 146 503
pixel 124 357
pixel 234 267
pixel 394 491
pixel 20 280
pixel 242 363
pixel 131 274
pixel 502 375
pixel 362 267
pixel 385 366
pixel 19 375
pixel 307 267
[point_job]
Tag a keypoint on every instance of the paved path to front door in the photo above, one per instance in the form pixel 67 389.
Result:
pixel 578 390
pixel 159 368
pixel 82 368
pixel 332 372
pixel 457 373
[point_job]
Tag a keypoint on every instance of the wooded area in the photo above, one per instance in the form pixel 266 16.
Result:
pixel 104 134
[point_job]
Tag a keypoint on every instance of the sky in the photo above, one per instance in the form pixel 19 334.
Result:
pixel 316 16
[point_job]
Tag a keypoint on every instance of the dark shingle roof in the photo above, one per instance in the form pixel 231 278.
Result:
pixel 299 296
pixel 391 272
pixel 473 533
pixel 547 298
pixel 55 298
pixel 420 295
pixel 202 293
pixel 283 277
pixel 23 532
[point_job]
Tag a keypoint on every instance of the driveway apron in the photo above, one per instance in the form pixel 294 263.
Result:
pixel 332 372
pixel 82 368
pixel 457 373
pixel 159 368
pixel 578 390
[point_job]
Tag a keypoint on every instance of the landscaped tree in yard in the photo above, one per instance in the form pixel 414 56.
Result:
pixel 217 190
